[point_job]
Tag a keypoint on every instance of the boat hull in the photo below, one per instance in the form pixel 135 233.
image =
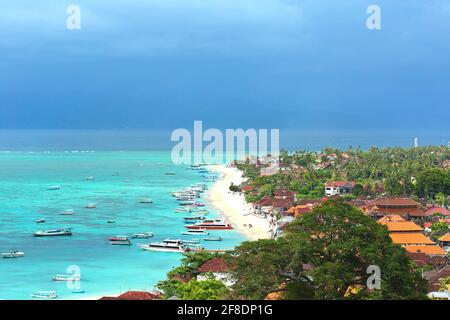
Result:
pixel 206 227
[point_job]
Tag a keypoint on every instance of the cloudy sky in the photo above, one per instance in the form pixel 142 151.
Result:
pixel 160 64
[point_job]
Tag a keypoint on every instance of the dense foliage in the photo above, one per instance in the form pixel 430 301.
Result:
pixel 338 243
pixel 412 172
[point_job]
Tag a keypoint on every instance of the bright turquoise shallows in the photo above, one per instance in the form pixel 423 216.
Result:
pixel 121 180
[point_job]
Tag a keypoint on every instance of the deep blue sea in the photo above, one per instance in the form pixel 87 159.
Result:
pixel 105 269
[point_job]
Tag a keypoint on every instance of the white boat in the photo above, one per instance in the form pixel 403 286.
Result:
pixel 144 235
pixel 42 220
pixel 55 232
pixel 66 277
pixel 90 206
pixel 54 188
pixel 165 246
pixel 120 241
pixel 45 295
pixel 200 232
pixel 213 239
pixel 68 212
pixel 91 178
pixel 146 200
pixel 13 254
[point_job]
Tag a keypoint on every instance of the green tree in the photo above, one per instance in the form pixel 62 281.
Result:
pixel 339 242
pixel 433 181
pixel 438 229
pixel 210 289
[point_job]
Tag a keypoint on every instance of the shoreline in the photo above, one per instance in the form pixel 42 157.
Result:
pixel 233 207
pixel 229 205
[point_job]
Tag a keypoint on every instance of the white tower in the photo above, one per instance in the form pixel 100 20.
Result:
pixel 416 142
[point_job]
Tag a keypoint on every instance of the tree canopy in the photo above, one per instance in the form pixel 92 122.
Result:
pixel 324 253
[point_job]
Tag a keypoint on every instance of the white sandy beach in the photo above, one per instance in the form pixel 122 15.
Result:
pixel 233 206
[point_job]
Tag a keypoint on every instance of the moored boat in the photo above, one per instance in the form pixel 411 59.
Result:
pixel 213 239
pixel 44 295
pixel 167 245
pixel 211 224
pixel 13 254
pixel 52 188
pixel 196 218
pixel 66 277
pixel 90 206
pixel 42 220
pixel 120 241
pixel 68 212
pixel 54 232
pixel 143 235
pixel 195 232
pixel 147 200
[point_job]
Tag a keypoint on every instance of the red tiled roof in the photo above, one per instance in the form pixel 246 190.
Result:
pixel 428 250
pixel 134 295
pixel 340 184
pixel 402 226
pixel 265 201
pixel 214 265
pixel 284 193
pixel 396 202
pixel 437 210
pixel 410 238
pixel 418 257
pixel 247 188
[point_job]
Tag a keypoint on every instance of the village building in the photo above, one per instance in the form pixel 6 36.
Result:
pixel 217 269
pixel 335 188
pixel 405 207
pixel 135 295
pixel 445 242
pixel 437 211
pixel 403 227
pixel 410 238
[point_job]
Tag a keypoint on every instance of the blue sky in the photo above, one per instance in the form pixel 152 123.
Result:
pixel 160 64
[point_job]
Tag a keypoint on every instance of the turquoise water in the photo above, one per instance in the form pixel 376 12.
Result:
pixel 105 269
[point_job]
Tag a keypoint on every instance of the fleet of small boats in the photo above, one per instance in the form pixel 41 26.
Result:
pixel 196 225
pixel 54 232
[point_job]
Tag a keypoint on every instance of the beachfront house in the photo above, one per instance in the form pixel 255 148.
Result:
pixel 215 268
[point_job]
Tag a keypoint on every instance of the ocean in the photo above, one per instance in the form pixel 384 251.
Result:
pixel 105 269
pixel 33 160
